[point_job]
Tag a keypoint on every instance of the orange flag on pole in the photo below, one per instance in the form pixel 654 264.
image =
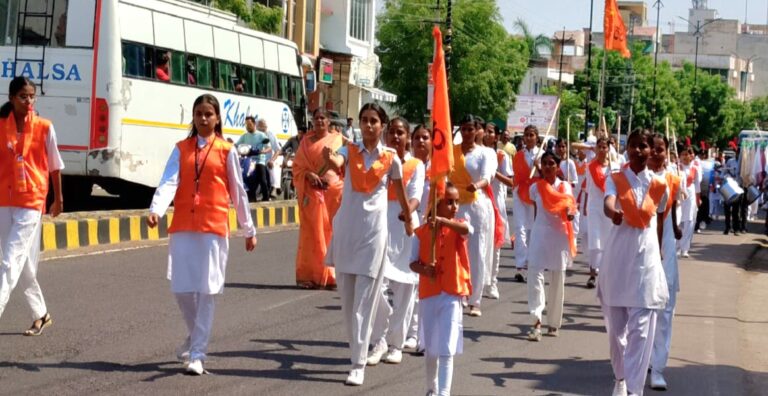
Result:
pixel 441 163
pixel 614 29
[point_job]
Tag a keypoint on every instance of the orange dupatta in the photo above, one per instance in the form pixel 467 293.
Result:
pixel 366 181
pixel 461 178
pixel 634 216
pixel 557 202
pixel 522 178
pixel 673 182
pixel 409 168
pixel 598 174
pixel 691 176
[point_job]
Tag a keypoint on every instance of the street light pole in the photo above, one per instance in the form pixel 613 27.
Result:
pixel 589 71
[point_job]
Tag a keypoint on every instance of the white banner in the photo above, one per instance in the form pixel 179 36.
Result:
pixel 537 110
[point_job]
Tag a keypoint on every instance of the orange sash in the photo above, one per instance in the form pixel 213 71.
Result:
pixel 558 203
pixel 461 178
pixel 523 180
pixel 581 168
pixel 366 181
pixel 498 229
pixel 634 216
pixel 691 176
pixel 409 167
pixel 598 174
pixel 673 182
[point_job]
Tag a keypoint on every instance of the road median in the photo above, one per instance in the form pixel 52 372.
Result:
pixel 83 229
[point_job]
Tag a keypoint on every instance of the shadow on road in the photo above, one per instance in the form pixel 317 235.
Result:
pixel 254 286
pixel 160 368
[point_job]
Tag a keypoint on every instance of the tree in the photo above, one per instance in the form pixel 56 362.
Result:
pixel 487 64
pixel 259 16
pixel 535 44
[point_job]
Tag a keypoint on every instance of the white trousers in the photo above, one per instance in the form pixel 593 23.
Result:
pixel 553 301
pixel 495 267
pixel 391 323
pixel 413 328
pixel 662 341
pixel 523 220
pixel 359 299
pixel 595 256
pixel 439 374
pixel 276 173
pixel 630 338
pixel 684 244
pixel 197 309
pixel 20 244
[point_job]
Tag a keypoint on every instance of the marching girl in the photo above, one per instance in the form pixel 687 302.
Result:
pixel 501 180
pixel 391 324
pixel 632 286
pixel 568 173
pixel 201 177
pixel 358 248
pixel 598 171
pixel 691 198
pixel 474 169
pixel 552 247
pixel 581 195
pixel 522 206
pixel 672 232
pixel 444 282
pixel 30 155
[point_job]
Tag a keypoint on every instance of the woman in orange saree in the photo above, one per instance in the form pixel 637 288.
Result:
pixel 318 192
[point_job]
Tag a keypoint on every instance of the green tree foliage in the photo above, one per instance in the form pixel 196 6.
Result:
pixel 259 17
pixel 536 44
pixel 486 64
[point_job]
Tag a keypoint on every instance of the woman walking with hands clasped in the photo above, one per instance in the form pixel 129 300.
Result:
pixel 201 177
pixel 30 157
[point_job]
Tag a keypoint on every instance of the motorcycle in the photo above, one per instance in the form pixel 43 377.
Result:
pixel 286 181
pixel 248 166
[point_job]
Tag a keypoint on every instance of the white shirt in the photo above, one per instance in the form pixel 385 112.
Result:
pixel 398 243
pixel 568 167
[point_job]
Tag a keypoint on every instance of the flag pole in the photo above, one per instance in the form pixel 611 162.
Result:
pixel 568 148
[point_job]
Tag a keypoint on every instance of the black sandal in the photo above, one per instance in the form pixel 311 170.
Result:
pixel 45 321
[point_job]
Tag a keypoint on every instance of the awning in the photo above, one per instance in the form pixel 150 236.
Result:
pixel 381 95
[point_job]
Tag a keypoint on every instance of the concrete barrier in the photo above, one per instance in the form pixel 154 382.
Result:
pixel 83 229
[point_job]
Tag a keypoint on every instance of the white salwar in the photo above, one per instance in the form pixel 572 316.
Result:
pixel 632 287
pixel 522 219
pixel 358 250
pixel 390 326
pixel 688 206
pixel 481 165
pixel 20 243
pixel 197 261
pixel 600 227
pixel 500 196
pixel 549 251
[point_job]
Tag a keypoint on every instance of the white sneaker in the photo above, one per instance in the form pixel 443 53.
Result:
pixel 356 377
pixel 657 381
pixel 493 292
pixel 378 351
pixel 620 388
pixel 394 356
pixel 411 343
pixel 686 255
pixel 195 367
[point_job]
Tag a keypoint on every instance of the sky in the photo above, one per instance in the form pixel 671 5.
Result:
pixel 548 16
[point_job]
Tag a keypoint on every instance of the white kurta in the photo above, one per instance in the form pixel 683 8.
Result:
pixel 631 273
pixel 599 225
pixel 399 244
pixel 197 261
pixel 688 205
pixel 523 218
pixel 360 227
pixel 669 243
pixel 549 248
pixel 500 190
pixel 568 168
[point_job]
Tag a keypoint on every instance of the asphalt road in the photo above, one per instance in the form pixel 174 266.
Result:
pixel 117 327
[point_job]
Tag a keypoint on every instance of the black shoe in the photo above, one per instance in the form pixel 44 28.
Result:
pixel 725 232
pixel 736 233
pixel 591 282
pixel 519 278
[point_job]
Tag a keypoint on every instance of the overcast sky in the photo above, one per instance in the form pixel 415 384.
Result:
pixel 548 16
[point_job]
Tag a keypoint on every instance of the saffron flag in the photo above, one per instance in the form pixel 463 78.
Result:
pixel 441 163
pixel 614 29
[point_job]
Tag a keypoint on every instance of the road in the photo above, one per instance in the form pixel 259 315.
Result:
pixel 117 326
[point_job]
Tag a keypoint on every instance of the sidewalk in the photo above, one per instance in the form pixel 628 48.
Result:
pixel 720 324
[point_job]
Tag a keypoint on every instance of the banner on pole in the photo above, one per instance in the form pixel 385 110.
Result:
pixel 536 110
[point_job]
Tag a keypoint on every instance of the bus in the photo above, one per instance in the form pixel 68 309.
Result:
pixel 118 79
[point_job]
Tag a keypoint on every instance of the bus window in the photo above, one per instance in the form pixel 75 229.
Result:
pixel 282 87
pixel 260 83
pixel 203 67
pixel 271 85
pixel 137 60
pixel 249 80
pixel 33 30
pixel 178 68
pixel 191 70
pixel 225 73
pixel 163 65
pixel 296 91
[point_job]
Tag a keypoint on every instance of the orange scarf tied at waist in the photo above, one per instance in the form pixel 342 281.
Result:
pixel 559 203
pixel 498 229
pixel 409 168
pixel 366 181
pixel 673 181
pixel 598 174
pixel 522 178
pixel 634 216
pixel 461 178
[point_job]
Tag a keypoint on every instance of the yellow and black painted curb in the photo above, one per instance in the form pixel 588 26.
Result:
pixel 106 230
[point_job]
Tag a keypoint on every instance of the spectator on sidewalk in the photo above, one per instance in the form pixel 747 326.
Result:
pixel 733 211
pixel 260 148
pixel 273 158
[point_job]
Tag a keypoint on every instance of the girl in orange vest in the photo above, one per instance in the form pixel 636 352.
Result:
pixel 201 177
pixel 501 180
pixel 522 207
pixel 391 324
pixel 552 246
pixel 29 156
pixel 359 244
pixel 474 169
pixel 632 286
pixel 663 337
pixel 444 282
pixel 598 171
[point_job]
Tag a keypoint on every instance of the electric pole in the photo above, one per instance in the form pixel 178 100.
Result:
pixel 448 37
pixel 589 71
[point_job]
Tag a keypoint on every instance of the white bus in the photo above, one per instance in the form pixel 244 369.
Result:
pixel 118 108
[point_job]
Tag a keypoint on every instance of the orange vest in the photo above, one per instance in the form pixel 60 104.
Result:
pixel 523 180
pixel 366 181
pixel 409 168
pixel 581 168
pixel 634 216
pixel 673 181
pixel 461 178
pixel 451 263
pixel 27 189
pixel 211 213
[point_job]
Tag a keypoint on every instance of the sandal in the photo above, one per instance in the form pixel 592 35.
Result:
pixel 534 334
pixel 36 329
